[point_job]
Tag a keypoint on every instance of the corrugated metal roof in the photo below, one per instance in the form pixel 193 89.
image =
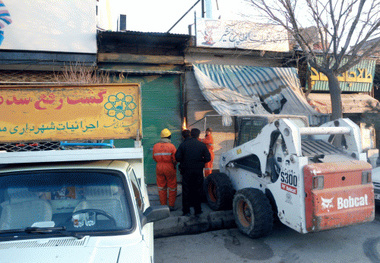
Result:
pixel 268 89
pixel 352 103
pixel 123 40
pixel 140 33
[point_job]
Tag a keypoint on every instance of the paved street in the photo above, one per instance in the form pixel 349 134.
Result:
pixel 359 243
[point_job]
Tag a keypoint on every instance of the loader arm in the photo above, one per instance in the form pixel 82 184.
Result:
pixel 262 144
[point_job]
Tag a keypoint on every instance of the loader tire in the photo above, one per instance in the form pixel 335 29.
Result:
pixel 218 191
pixel 253 212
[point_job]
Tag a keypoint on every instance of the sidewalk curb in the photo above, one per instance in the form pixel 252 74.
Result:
pixel 177 224
pixel 183 225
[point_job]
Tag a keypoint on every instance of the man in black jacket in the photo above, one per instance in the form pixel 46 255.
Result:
pixel 192 156
pixel 185 136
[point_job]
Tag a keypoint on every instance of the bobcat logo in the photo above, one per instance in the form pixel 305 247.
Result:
pixel 327 203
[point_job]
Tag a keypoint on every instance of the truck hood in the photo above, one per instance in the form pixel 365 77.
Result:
pixel 61 254
pixel 36 251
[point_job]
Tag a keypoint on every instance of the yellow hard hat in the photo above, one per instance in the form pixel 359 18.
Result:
pixel 165 133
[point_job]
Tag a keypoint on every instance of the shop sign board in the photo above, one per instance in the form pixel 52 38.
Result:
pixel 241 34
pixel 359 78
pixel 65 113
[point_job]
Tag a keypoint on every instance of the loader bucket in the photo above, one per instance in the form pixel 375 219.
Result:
pixel 338 194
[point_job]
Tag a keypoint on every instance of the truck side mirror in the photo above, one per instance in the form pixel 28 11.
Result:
pixel 155 213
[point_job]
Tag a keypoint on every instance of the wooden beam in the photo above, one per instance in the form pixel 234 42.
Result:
pixel 142 59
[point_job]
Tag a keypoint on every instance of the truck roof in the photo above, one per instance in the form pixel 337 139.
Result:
pixel 71 155
pixel 106 164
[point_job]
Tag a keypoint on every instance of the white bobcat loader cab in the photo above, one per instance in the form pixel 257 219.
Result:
pixel 74 205
pixel 283 168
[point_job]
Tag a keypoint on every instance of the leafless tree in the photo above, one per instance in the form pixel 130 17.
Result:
pixel 349 31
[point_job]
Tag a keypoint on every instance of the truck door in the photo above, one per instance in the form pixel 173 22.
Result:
pixel 142 203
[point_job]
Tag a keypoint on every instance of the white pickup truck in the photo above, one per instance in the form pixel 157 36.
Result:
pixel 76 206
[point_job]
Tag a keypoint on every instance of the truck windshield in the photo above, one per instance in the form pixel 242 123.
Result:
pixel 74 201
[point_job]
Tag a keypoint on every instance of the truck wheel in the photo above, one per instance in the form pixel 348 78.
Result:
pixel 218 190
pixel 253 212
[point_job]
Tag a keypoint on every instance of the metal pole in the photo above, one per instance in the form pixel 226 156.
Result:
pixel 203 8
pixel 324 130
pixel 183 16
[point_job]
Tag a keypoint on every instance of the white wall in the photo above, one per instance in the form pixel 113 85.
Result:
pixel 51 25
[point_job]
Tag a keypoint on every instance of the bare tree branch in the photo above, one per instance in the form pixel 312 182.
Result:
pixel 348 32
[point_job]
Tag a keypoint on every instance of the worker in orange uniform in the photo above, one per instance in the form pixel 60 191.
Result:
pixel 166 172
pixel 209 141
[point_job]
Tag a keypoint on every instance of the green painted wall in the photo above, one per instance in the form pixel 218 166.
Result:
pixel 161 106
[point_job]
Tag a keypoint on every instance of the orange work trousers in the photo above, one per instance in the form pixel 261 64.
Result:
pixel 209 165
pixel 166 180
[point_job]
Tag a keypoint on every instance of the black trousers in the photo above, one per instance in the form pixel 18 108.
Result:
pixel 192 187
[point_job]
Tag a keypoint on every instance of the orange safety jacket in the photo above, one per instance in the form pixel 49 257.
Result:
pixel 163 152
pixel 209 141
pixel 164 155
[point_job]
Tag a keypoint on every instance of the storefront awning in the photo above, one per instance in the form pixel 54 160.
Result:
pixel 246 90
pixel 352 103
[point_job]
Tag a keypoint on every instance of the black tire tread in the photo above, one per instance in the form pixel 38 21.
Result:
pixel 224 191
pixel 262 210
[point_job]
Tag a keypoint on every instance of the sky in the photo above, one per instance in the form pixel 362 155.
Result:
pixel 160 16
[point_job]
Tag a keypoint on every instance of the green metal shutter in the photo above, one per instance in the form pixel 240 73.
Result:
pixel 161 107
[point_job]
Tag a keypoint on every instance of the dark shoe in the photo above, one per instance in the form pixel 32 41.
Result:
pixel 172 208
pixel 187 214
pixel 198 214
